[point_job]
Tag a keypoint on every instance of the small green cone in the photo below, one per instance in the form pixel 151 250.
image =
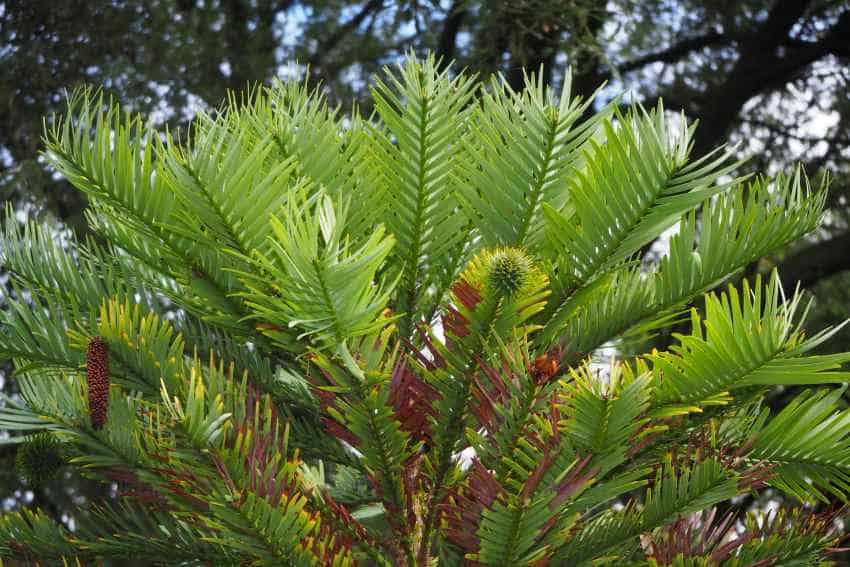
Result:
pixel 39 459
pixel 508 270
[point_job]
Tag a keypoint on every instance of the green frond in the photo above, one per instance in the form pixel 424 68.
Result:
pixel 68 296
pixel 305 131
pixel 129 529
pixel 32 535
pixel 631 188
pixel 113 159
pixel 735 229
pixel 678 490
pixel 147 353
pixel 425 112
pixel 254 489
pixel 42 395
pixel 214 438
pixel 209 340
pixel 808 443
pixel 33 329
pixel 604 311
pixel 509 531
pixel 57 402
pixel 609 536
pixel 53 264
pixel 324 286
pixel 227 189
pixel 746 338
pixel 605 416
pixel 110 157
pixel 258 493
pixel 272 534
pixel 130 238
pixel 522 148
pixel 121 164
pixel 686 490
pixel 328 150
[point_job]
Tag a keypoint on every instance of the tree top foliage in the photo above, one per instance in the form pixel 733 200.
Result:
pixel 293 324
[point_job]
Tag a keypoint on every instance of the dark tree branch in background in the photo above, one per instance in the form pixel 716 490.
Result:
pixel 757 69
pixel 237 32
pixel 786 133
pixel 780 20
pixel 541 53
pixel 447 42
pixel 588 79
pixel 330 42
pixel 676 51
pixel 816 262
pixel 761 67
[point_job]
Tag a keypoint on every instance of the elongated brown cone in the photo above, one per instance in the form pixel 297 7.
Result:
pixel 97 364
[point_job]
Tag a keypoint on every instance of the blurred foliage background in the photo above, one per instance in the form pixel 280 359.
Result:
pixel 769 75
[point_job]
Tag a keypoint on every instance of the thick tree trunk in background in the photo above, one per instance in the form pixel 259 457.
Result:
pixel 447 41
pixel 251 44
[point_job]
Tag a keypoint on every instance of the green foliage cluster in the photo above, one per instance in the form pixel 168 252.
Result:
pixel 39 459
pixel 310 320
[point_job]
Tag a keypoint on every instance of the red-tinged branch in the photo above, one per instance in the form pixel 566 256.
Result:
pixel 753 476
pixel 466 337
pixel 141 491
pixel 466 504
pixel 575 482
pixel 412 400
pixel 342 394
pixel 327 404
pixel 350 532
pixel 346 533
pixel 703 535
pixel 695 536
pixel 507 403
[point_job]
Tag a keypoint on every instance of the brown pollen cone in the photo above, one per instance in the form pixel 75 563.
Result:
pixel 97 365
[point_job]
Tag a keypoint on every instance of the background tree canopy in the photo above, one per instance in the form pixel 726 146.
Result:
pixel 773 76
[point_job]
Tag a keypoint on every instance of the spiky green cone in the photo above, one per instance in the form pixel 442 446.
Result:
pixel 508 270
pixel 39 459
